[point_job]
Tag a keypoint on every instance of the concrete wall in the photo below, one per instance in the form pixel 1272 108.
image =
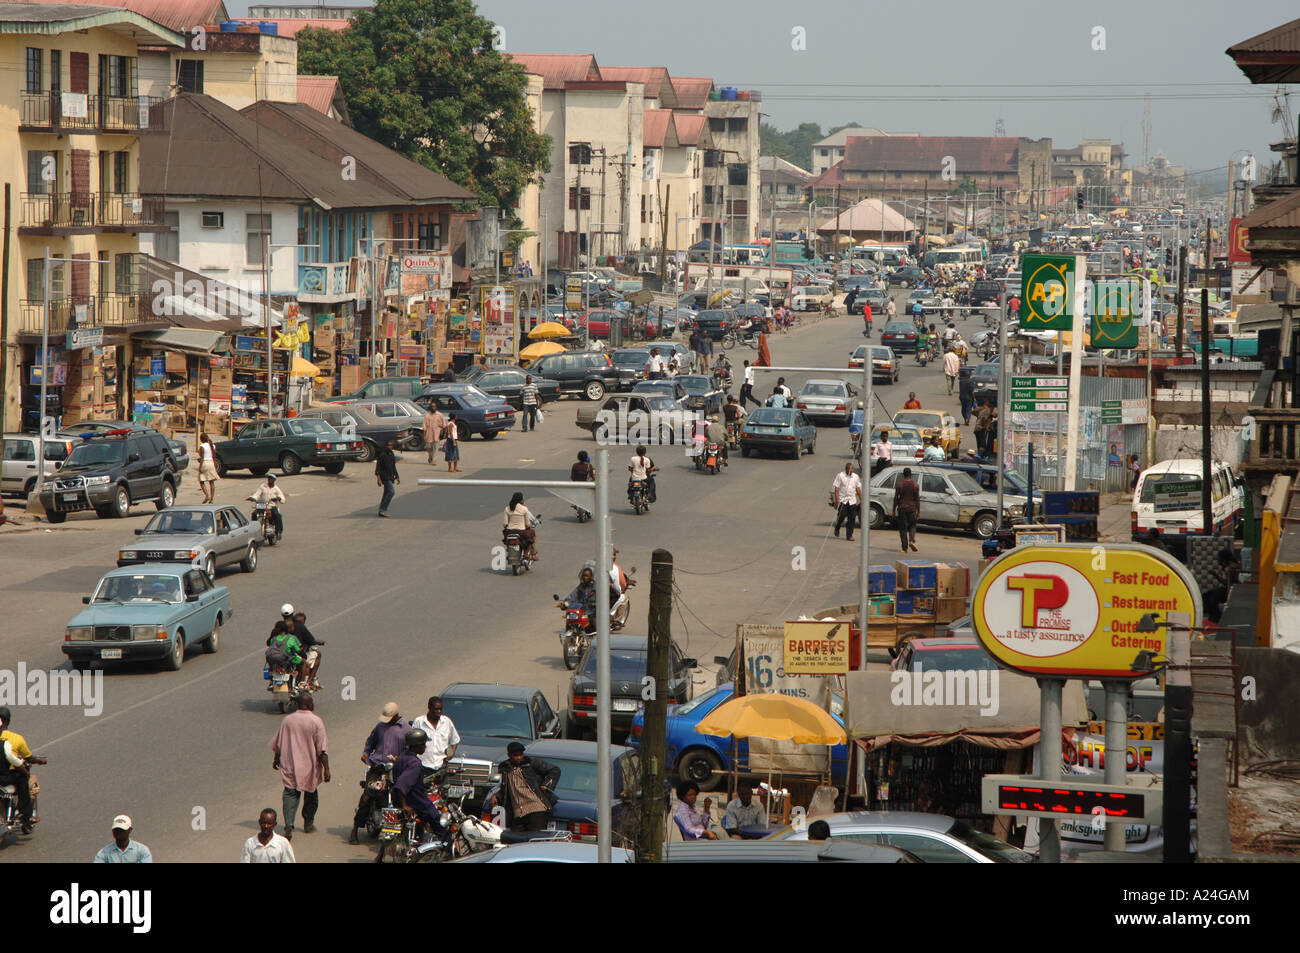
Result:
pixel 1184 440
pixel 221 253
pixel 1269 727
pixel 681 169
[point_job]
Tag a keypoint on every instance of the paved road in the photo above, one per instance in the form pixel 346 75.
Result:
pixel 408 605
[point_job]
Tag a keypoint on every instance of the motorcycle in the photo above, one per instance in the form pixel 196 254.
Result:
pixel 11 821
pixel 638 494
pixel 922 354
pixel 583 515
pixel 262 513
pixel 284 685
pixel 519 555
pixel 733 435
pixel 708 456
pixel 576 636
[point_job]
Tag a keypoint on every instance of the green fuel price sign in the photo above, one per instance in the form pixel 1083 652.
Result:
pixel 1047 292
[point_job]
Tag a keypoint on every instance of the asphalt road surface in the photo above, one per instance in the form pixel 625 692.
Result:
pixel 409 605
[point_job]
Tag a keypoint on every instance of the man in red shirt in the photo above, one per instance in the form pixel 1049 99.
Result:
pixel 866 318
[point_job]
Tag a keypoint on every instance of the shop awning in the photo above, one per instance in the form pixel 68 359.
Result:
pixel 200 341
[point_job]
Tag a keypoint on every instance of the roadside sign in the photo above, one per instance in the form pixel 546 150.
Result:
pixel 85 337
pixel 816 648
pixel 1047 292
pixel 1040 394
pixel 1142 800
pixel 1180 495
pixel 1116 307
pixel 573 292
pixel 1072 610
pixel 1130 411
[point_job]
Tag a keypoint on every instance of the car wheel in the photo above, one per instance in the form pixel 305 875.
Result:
pixel 490 434
pixel 334 469
pixel 745 451
pixel 55 517
pixel 249 562
pixel 367 452
pixel 702 767
pixel 210 567
pixel 177 655
pixel 121 503
pixel 797 451
pixel 812 447
pixel 166 496
pixel 876 517
pixel 258 471
pixel 594 390
pixel 220 467
pixel 31 485
pixel 213 641
pixel 290 464
pixel 985 525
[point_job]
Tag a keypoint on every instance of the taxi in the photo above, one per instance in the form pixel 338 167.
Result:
pixel 934 423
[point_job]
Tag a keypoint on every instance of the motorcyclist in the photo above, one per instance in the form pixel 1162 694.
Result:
pixel 272 496
pixel 582 472
pixel 619 584
pixel 310 646
pixel 722 369
pixel 282 640
pixel 583 595
pixel 519 519
pixel 714 432
pixel 643 468
pixel 16 760
pixel 408 785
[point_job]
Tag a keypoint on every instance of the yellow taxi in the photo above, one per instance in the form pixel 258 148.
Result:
pixel 933 423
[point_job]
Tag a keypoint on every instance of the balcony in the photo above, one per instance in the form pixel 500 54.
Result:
pixel 1276 447
pixel 108 311
pixel 88 112
pixel 76 213
pixel 324 282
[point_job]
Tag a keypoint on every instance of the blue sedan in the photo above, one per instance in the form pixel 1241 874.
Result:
pixel 705 759
pixel 149 612
pixel 778 430
pixel 476 412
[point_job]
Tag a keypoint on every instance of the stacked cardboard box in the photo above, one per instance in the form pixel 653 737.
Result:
pixel 954 588
pixel 917 593
pixel 352 376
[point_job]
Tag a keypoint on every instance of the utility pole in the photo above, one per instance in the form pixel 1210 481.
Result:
pixel 4 320
pixel 663 232
pixel 654 733
pixel 1207 528
pixel 1182 278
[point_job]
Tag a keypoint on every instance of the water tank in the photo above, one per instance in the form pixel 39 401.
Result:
pixel 729 93
pixel 228 26
pixel 269 28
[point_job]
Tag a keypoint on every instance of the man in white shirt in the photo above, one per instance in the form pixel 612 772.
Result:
pixel 273 496
pixel 654 366
pixel 846 497
pixel 747 387
pixel 882 453
pixel 934 452
pixel 789 396
pixel 266 846
pixel 443 737
pixel 744 810
pixel 951 368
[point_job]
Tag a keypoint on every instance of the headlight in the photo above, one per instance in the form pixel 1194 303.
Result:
pixel 123 554
pixel 79 633
pixel 141 633
pixel 186 554
pixel 1016 511
pixel 97 480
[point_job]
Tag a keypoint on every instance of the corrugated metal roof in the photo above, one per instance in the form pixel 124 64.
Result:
pixel 1280 39
pixel 52 19
pixel 866 216
pixel 692 91
pixel 839 138
pixel 556 69
pixel 178 15
pixel 322 93
pixel 1283 213
pixel 654 78
pixel 690 127
pixel 973 155
pixel 657 122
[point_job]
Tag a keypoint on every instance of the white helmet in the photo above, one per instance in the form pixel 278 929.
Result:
pixel 286 610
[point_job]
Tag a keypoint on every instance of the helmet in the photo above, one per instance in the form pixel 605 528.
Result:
pixel 286 610
pixel 416 737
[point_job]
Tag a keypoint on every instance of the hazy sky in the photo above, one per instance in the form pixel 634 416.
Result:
pixel 945 67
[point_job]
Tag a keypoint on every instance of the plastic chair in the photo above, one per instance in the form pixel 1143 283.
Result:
pixel 823 801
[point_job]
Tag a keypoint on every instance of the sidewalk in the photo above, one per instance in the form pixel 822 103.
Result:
pixel 1115 520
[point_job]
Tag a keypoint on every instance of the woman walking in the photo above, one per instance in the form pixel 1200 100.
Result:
pixel 451 444
pixel 207 469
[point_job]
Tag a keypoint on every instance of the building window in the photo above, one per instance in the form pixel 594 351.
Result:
pixel 430 237
pixel 399 225
pixel 35 62
pixel 189 76
pixel 124 274
pixel 737 124
pixel 42 172
pixel 341 250
pixel 574 196
pixel 256 229
pixel 738 174
pixel 717 124
pixel 120 78
pixel 121 172
pixel 167 245
pixel 580 153
pixel 56 73
pixel 824 152
pixel 712 158
pixel 36 280
pixel 214 219
pixel 643 210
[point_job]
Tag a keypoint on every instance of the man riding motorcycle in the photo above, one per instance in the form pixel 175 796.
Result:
pixel 282 643
pixel 408 785
pixel 584 594
pixel 15 768
pixel 272 496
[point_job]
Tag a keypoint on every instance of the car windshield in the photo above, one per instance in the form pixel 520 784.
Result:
pixel 186 522
pixel 476 398
pixel 637 358
pixel 711 315
pixel 577 778
pixel 964 483
pixel 311 427
pixel 918 419
pixel 687 707
pixel 899 327
pixel 139 588
pixel 490 717
pixel 1016 483
pixel 1189 486
pixel 995 850
pixel 624 664
pixel 814 389
pixel 695 385
pixel 96 453
pixel 972 658
pixel 770 416
pixel 661 403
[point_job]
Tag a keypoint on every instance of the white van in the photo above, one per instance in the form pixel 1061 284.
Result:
pixel 1168 499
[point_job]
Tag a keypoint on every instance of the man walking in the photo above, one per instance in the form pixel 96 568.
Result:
pixel 907 507
pixel 433 425
pixel 304 765
pixel 966 394
pixel 266 846
pixel 706 352
pixel 530 399
pixel 747 387
pixel 386 476
pixel 123 850
pixel 983 418
pixel 526 791
pixel 951 367
pixel 846 497
pixel 866 319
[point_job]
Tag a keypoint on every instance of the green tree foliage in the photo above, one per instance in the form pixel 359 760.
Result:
pixel 423 78
pixel 794 146
pixel 967 185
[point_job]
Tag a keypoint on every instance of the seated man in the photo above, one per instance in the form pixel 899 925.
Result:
pixel 744 810
pixel 693 824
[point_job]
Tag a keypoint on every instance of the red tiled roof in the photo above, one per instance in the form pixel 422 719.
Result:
pixel 692 91
pixel 972 155
pixel 658 85
pixel 656 127
pixel 556 69
pixel 178 15
pixel 689 127
pixel 319 92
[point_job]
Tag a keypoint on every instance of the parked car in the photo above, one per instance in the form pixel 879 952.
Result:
pixel 206 535
pixel 18 461
pixel 148 613
pixel 627 668
pixel 642 403
pixel 706 759
pixel 782 852
pixel 900 336
pixel 715 322
pixel 781 430
pixel 476 412
pixel 353 420
pixel 288 443
pixel 112 472
pixel 79 431
pixel 986 475
pixel 933 838
pixel 934 423
pixel 907 276
pixel 589 373
pixel 547 852
pixel 575 809
pixel 701 396
pixel 597 322
pixel 403 412
pixel 829 401
pixel 949 499
pixel 384 387
pixel 487 718
pixel 685 356
pixel 941 655
pixel 810 297
pixel 885 365
pixel 631 358
pixel 509 386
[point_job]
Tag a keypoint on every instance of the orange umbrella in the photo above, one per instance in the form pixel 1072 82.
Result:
pixel 764 355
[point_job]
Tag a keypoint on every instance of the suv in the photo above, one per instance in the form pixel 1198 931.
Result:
pixel 985 293
pixel 111 472
pixel 590 373
pixel 18 466
pixel 384 387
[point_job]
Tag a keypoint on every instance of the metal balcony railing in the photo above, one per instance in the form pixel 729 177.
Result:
pixel 1277 438
pixel 89 210
pixel 90 111
pixel 120 311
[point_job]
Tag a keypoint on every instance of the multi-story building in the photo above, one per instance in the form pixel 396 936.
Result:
pixel 830 150
pixel 678 143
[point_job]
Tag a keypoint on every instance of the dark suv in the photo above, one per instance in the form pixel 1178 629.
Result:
pixel 590 373
pixel 984 294
pixel 111 472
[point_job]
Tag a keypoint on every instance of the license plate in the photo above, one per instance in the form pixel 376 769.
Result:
pixel 69 497
pixel 340 446
pixel 624 704
pixel 460 790
pixel 767 430
pixel 110 653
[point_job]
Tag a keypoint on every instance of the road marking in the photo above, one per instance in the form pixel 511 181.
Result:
pixel 194 681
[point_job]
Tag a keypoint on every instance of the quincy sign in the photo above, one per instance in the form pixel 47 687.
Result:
pixel 1073 609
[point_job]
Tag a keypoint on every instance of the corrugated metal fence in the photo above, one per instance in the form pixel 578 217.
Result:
pixel 1103 449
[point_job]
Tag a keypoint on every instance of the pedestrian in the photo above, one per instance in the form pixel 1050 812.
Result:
pixel 966 394
pixel 882 453
pixel 208 475
pixel 654 366
pixel 706 351
pixel 846 497
pixel 123 850
pixel 912 402
pixel 526 790
pixel 301 758
pixel 866 318
pixel 266 846
pixel 1134 469
pixel 386 476
pixel 433 425
pixel 443 738
pixel 529 399
pixel 907 509
pixel 747 388
pixel 983 417
pixel 451 444
pixel 951 368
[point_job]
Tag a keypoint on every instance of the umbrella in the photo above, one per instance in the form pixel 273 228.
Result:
pixel 540 349
pixel 779 717
pixel 303 368
pixel 549 329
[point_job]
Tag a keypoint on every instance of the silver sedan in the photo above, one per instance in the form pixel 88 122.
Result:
pixel 826 400
pixel 206 535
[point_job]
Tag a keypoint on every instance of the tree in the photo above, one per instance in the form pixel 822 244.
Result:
pixel 423 77
pixel 967 185
pixel 794 146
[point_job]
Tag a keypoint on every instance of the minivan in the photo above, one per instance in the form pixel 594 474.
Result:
pixel 1167 498
pixel 18 466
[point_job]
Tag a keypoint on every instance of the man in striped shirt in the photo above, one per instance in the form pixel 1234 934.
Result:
pixel 530 400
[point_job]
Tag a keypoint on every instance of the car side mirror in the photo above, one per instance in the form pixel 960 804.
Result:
pixel 133 458
pixel 893 652
pixel 139 531
pixel 85 600
pixel 192 597
pixel 58 464
pixel 720 660
pixel 690 663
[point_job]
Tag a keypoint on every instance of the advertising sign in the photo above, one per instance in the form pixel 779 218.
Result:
pixel 85 337
pixel 438 266
pixel 763 651
pixel 1116 307
pixel 1237 238
pixel 816 647
pixel 498 310
pixel 573 293
pixel 1047 292
pixel 1073 610
pixel 1177 495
